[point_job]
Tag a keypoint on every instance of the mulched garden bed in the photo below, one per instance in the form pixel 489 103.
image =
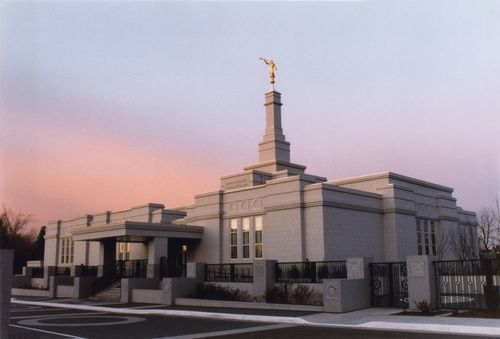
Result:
pixel 422 314
pixel 494 314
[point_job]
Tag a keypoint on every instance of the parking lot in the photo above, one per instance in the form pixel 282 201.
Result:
pixel 35 321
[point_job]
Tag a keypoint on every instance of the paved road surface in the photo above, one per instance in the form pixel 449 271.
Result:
pixel 48 322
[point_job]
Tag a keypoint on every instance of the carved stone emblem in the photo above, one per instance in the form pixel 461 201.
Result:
pixel 259 269
pixel 331 292
pixel 245 205
pixel 354 270
pixel 418 269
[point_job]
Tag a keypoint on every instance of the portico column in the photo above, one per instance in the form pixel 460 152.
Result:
pixel 107 257
pixel 157 248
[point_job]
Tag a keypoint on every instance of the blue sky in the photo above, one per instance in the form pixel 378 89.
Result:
pixel 93 95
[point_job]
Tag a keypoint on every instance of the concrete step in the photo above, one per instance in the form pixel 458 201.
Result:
pixel 112 293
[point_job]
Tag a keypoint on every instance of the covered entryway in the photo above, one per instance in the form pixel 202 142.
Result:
pixel 169 243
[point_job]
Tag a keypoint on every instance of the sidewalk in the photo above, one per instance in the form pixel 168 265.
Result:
pixel 372 318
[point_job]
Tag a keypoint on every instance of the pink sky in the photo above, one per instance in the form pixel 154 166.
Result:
pixel 107 105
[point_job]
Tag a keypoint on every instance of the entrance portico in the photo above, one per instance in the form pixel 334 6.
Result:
pixel 171 242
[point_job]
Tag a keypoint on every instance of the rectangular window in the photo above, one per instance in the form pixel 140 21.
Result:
pixel 245 237
pixel 233 235
pixel 433 238
pixel 67 250
pixel 258 236
pixel 123 251
pixel 419 238
pixel 63 249
pixel 426 237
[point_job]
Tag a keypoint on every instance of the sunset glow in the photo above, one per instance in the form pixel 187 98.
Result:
pixel 107 105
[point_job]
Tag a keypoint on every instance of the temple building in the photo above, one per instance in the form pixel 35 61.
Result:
pixel 271 210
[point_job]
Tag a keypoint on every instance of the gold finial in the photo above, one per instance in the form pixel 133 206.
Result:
pixel 272 69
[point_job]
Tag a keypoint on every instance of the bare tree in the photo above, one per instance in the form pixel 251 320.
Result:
pixel 464 242
pixel 489 227
pixel 442 244
pixel 14 233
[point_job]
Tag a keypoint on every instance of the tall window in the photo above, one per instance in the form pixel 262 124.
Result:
pixel 426 237
pixel 233 231
pixel 123 250
pixel 67 250
pixel 245 237
pixel 258 236
pixel 245 226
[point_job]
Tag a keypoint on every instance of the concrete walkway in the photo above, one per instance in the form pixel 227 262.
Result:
pixel 372 318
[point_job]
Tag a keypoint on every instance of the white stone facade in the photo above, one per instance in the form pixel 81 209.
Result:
pixel 303 217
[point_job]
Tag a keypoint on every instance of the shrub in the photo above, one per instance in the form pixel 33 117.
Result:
pixel 292 294
pixel 423 306
pixel 217 292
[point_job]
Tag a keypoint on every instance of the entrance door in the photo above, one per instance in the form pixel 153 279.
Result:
pixel 178 252
pixel 389 284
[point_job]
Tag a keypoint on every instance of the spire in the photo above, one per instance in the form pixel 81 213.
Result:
pixel 273 147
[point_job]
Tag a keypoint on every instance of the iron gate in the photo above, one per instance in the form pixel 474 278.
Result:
pixel 389 284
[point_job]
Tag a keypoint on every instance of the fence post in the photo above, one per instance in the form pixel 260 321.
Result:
pixel 197 271
pixel 353 293
pixel 421 282
pixel 231 268
pixel 357 268
pixel 6 260
pixel 263 276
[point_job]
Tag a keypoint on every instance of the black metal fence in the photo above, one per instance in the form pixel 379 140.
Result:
pixel 310 271
pixel 37 272
pixel 229 272
pixel 468 284
pixel 62 271
pixel 131 268
pixel 171 269
pixel 88 271
pixel 389 284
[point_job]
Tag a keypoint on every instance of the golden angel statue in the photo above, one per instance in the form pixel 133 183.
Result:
pixel 272 69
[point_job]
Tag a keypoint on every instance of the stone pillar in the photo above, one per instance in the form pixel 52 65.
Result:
pixel 107 257
pixel 421 284
pixel 263 276
pixel 353 293
pixel 357 268
pixel 157 247
pixel 48 271
pixel 6 260
pixel 195 270
pixel 82 287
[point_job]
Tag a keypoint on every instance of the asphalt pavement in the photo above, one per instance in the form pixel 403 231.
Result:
pixel 39 318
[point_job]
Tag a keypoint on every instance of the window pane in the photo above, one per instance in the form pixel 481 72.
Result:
pixel 246 251
pixel 245 224
pixel 258 223
pixel 234 252
pixel 234 225
pixel 234 238
pixel 246 238
pixel 258 237
pixel 419 249
pixel 258 251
